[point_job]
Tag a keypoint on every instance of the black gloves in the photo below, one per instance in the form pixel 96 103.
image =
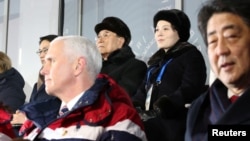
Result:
pixel 146 115
pixel 170 108
pixel 163 107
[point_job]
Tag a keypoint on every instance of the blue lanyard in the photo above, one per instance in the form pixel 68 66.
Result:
pixel 159 77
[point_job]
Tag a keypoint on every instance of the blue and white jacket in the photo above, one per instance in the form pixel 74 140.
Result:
pixel 104 113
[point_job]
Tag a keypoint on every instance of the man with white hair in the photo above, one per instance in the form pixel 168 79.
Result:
pixel 88 105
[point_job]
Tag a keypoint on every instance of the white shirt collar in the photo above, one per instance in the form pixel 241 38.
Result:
pixel 72 102
pixel 230 94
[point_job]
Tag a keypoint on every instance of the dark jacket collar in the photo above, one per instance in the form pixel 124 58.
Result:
pixel 230 112
pixel 121 55
pixel 215 99
pixel 47 111
pixel 178 49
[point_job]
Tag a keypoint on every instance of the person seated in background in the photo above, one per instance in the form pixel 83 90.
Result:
pixel 38 92
pixel 6 130
pixel 119 62
pixel 176 76
pixel 11 84
pixel 225 28
pixel 88 105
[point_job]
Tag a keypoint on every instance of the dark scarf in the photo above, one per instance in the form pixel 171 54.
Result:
pixel 219 101
pixel 161 56
pixel 121 55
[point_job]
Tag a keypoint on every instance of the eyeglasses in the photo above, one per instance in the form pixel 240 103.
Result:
pixel 40 51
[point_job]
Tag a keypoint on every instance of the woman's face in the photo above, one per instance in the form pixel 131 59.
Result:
pixel 165 35
pixel 43 48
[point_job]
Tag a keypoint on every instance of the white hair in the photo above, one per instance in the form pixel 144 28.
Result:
pixel 79 46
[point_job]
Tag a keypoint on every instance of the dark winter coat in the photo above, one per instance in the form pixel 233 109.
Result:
pixel 39 95
pixel 104 113
pixel 11 89
pixel 125 69
pixel 182 81
pixel 214 108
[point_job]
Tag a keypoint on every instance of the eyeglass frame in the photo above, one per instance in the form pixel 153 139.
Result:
pixel 40 51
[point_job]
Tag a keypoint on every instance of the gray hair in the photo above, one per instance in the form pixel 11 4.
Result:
pixel 79 46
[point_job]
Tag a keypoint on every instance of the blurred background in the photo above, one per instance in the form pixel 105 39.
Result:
pixel 23 22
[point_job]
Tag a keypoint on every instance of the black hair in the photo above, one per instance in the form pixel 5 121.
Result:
pixel 237 7
pixel 49 38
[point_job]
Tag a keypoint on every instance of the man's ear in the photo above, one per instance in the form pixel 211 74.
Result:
pixel 80 65
pixel 121 41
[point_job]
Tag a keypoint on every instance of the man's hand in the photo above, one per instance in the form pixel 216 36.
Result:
pixel 18 118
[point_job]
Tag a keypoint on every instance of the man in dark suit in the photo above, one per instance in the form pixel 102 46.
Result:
pixel 225 27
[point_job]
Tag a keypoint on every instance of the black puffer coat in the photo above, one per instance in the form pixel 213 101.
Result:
pixel 125 69
pixel 182 81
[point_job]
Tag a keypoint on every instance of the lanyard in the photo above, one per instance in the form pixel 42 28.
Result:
pixel 159 77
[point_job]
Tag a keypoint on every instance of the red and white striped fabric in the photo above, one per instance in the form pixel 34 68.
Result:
pixel 99 115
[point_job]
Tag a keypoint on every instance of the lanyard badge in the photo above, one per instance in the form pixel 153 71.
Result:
pixel 149 86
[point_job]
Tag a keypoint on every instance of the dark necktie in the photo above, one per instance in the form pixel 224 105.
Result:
pixel 63 110
pixel 234 98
